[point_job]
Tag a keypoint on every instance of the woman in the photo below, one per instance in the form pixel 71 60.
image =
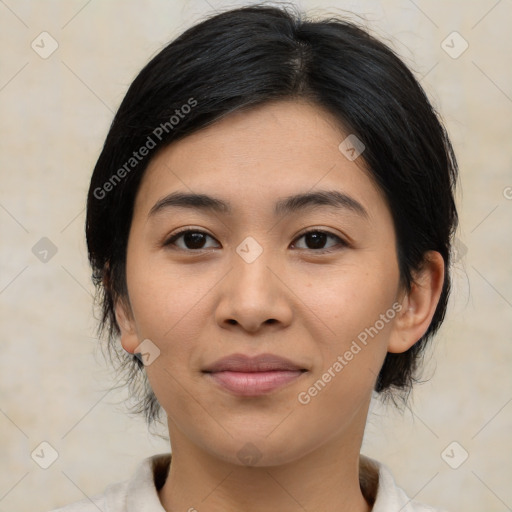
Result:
pixel 269 226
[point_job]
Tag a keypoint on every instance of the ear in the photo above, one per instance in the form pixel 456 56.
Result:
pixel 418 305
pixel 126 323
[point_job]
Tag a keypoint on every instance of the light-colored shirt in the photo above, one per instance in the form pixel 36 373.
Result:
pixel 140 493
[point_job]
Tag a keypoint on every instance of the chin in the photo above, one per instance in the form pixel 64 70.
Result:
pixel 258 451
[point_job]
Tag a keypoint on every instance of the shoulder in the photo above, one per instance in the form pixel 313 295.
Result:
pixel 138 493
pixel 388 497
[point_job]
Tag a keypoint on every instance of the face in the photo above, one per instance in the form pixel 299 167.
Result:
pixel 314 283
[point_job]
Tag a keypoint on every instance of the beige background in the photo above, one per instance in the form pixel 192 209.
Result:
pixel 55 113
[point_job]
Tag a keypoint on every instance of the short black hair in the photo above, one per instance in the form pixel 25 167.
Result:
pixel 245 57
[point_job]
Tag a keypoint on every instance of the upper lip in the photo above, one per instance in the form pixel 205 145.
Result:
pixel 259 363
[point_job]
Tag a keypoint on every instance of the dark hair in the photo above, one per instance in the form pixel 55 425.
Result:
pixel 249 56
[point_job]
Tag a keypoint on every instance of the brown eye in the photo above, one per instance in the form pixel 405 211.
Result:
pixel 193 239
pixel 315 240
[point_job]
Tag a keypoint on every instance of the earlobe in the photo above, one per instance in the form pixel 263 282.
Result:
pixel 125 321
pixel 419 304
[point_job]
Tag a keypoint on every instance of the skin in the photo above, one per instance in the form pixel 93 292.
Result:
pixel 198 305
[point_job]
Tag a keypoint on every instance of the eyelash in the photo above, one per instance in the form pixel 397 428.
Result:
pixel 170 241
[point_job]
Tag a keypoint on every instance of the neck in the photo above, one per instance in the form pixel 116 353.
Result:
pixel 315 482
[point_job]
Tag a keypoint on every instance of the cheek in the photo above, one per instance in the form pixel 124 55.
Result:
pixel 164 296
pixel 356 308
pixel 349 298
pixel 359 315
pixel 171 308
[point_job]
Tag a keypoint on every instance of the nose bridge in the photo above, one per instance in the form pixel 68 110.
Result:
pixel 250 250
pixel 251 266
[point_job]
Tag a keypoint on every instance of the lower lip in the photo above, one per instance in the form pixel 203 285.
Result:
pixel 254 383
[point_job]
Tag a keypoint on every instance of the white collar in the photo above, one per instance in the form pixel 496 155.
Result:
pixel 139 494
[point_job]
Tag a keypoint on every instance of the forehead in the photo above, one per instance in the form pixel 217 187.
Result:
pixel 253 157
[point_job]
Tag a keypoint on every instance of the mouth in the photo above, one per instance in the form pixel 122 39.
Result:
pixel 253 376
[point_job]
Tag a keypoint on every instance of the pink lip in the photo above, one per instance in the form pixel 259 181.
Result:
pixel 254 383
pixel 253 376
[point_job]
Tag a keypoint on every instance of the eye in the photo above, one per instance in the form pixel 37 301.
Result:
pixel 192 238
pixel 316 240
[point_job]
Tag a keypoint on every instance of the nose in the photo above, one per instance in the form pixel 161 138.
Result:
pixel 254 295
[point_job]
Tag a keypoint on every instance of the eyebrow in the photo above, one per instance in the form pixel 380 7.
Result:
pixel 286 205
